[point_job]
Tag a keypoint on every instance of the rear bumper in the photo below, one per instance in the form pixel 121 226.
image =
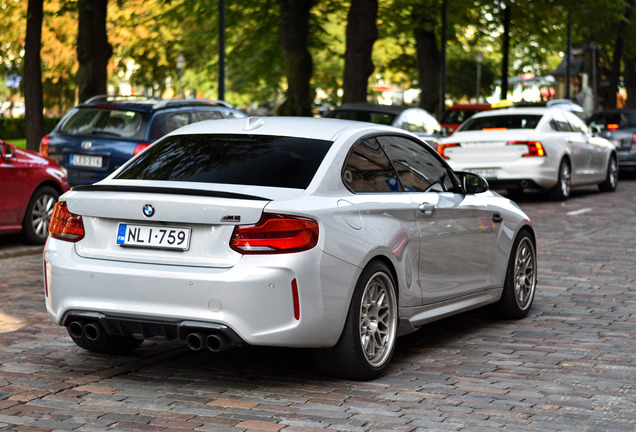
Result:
pixel 254 299
pixel 536 172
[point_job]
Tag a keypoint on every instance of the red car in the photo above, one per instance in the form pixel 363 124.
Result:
pixel 30 185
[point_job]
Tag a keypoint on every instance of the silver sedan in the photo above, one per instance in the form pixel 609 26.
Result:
pixel 328 234
pixel 548 149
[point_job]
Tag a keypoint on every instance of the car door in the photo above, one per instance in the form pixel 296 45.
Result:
pixel 574 144
pixel 456 233
pixel 11 184
pixel 595 154
pixel 380 205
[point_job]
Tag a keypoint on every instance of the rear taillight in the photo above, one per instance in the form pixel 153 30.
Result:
pixel 535 148
pixel 441 149
pixel 44 146
pixel 275 233
pixel 634 140
pixel 612 126
pixel 65 225
pixel 140 147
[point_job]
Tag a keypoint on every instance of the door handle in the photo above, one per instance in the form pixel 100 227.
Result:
pixel 427 208
pixel 497 218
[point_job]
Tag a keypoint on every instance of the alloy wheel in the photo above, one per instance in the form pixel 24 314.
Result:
pixel 378 319
pixel 525 273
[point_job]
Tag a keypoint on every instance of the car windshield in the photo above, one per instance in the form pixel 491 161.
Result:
pixel 502 122
pixel 365 116
pixel 231 159
pixel 104 122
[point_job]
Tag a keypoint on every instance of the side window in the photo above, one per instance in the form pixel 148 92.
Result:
pixel 412 121
pixel 207 115
pixel 559 122
pixel 418 169
pixel 177 120
pixel 431 125
pixel 577 124
pixel 368 169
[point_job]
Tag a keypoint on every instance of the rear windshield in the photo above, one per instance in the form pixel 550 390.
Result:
pixel 231 159
pixel 502 122
pixel 104 122
pixel 365 116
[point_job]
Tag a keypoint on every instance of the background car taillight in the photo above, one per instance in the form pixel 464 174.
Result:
pixel 275 233
pixel 44 146
pixel 535 148
pixel 140 147
pixel 442 148
pixel 634 140
pixel 65 225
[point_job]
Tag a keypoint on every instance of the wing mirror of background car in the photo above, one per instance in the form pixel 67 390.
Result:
pixel 595 130
pixel 472 183
pixel 8 150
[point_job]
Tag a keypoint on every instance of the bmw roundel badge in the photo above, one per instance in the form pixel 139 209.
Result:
pixel 149 210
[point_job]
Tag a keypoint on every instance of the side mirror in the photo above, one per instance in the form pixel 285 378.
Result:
pixel 472 183
pixel 8 150
pixel 595 130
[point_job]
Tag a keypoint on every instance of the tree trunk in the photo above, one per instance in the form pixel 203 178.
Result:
pixel 294 19
pixel 428 58
pixel 505 50
pixel 34 118
pixel 93 49
pixel 630 82
pixel 616 59
pixel 362 32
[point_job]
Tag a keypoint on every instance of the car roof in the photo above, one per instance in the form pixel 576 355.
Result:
pixel 149 103
pixel 391 109
pixel 470 107
pixel 309 127
pixel 517 111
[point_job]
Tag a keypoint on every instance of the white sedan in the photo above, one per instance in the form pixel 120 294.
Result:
pixel 549 149
pixel 320 233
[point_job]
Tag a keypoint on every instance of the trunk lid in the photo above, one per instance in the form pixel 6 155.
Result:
pixel 206 221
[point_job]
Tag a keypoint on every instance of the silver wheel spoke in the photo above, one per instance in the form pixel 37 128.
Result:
pixel 378 319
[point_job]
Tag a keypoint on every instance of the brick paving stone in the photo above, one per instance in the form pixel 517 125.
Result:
pixel 566 367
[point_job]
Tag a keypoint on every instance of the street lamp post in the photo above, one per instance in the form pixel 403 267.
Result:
pixel 480 59
pixel 180 66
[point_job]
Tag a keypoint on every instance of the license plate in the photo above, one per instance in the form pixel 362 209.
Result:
pixel 157 237
pixel 486 172
pixel 86 161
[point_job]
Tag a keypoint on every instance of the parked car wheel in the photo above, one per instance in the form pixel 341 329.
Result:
pixel 611 181
pixel 370 332
pixel 35 225
pixel 521 279
pixel 561 191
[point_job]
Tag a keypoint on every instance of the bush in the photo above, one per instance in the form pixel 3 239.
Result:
pixel 12 128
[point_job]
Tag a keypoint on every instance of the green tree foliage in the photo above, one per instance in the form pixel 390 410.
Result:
pixel 149 35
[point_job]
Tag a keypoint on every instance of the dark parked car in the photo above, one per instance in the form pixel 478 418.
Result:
pixel 618 126
pixel 458 114
pixel 415 120
pixel 98 136
pixel 30 185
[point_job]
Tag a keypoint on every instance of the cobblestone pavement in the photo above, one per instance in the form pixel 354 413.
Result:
pixel 569 366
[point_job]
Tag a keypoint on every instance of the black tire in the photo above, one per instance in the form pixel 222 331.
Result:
pixel 521 279
pixel 35 224
pixel 369 336
pixel 611 177
pixel 561 191
pixel 108 344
